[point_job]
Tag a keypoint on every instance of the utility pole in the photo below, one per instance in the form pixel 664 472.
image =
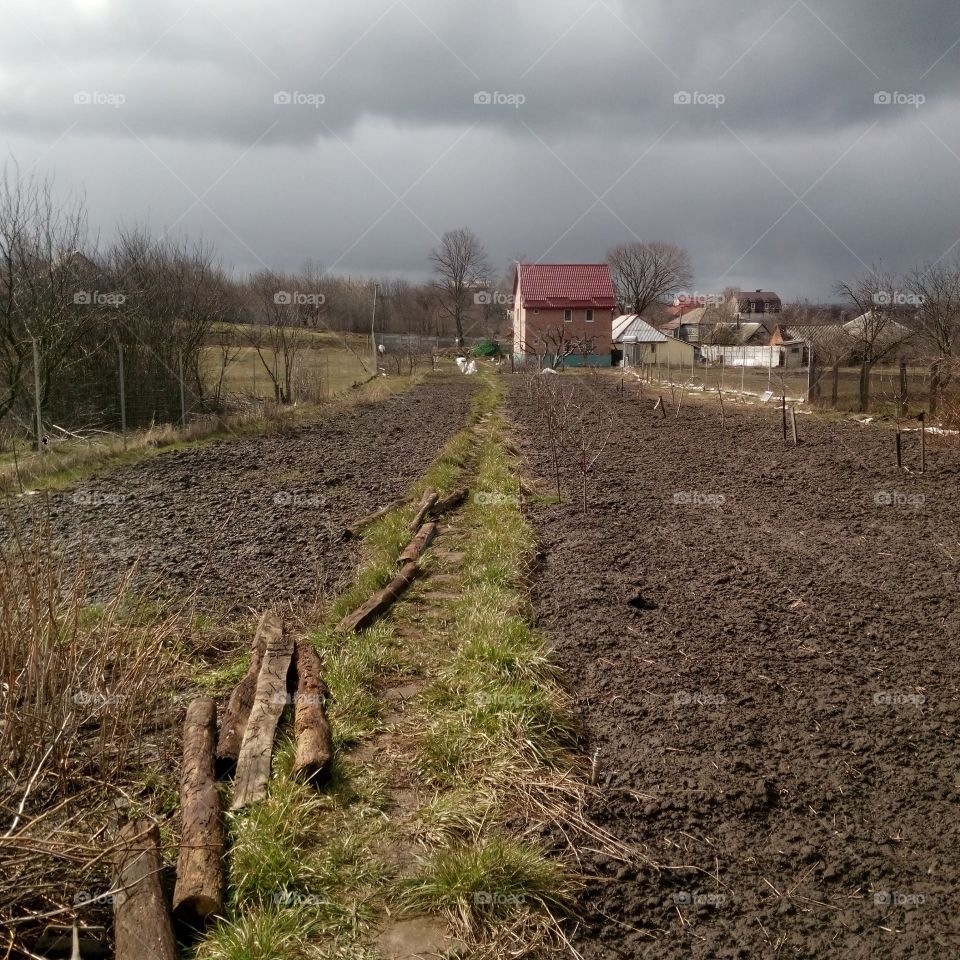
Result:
pixel 373 336
pixel 36 394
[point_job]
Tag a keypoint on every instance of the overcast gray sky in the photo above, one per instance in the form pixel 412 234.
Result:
pixel 786 143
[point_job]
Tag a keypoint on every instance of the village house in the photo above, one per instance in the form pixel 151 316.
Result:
pixel 637 342
pixel 563 312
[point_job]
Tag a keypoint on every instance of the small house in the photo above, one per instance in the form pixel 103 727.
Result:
pixel 637 342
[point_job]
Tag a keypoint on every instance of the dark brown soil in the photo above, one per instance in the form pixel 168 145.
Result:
pixel 258 519
pixel 771 682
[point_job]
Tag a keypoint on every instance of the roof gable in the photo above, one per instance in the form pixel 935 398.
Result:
pixel 565 285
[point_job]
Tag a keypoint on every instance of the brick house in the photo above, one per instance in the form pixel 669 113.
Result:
pixel 565 311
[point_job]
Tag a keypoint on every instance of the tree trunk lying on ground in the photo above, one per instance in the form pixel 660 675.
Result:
pixel 253 764
pixel 200 886
pixel 380 601
pixel 354 531
pixel 241 700
pixel 429 499
pixel 449 503
pixel 314 758
pixel 418 544
pixel 142 927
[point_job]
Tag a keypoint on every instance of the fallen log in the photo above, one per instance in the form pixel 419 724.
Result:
pixel 354 531
pixel 141 922
pixel 380 601
pixel 449 503
pixel 253 763
pixel 200 886
pixel 426 504
pixel 314 757
pixel 234 720
pixel 418 544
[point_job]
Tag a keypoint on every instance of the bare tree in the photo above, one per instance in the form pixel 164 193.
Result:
pixel 936 290
pixel 875 331
pixel 461 266
pixel 40 244
pixel 644 273
pixel 277 333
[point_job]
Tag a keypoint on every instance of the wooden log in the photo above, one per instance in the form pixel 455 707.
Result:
pixel 314 757
pixel 200 885
pixel 234 720
pixel 253 764
pixel 380 601
pixel 426 504
pixel 419 543
pixel 363 522
pixel 449 503
pixel 141 921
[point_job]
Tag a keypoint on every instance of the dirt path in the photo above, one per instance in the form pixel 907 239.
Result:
pixel 771 680
pixel 258 519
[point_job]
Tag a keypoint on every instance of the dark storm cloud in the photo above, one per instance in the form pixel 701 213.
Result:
pixel 355 133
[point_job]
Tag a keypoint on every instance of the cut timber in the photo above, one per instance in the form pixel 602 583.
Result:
pixel 380 601
pixel 314 757
pixel 419 543
pixel 199 891
pixel 449 503
pixel 253 764
pixel 241 700
pixel 364 522
pixel 426 504
pixel 142 928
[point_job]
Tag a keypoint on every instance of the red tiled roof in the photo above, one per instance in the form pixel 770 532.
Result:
pixel 572 285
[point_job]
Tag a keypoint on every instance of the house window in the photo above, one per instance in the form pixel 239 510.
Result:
pixel 589 316
pixel 567 316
